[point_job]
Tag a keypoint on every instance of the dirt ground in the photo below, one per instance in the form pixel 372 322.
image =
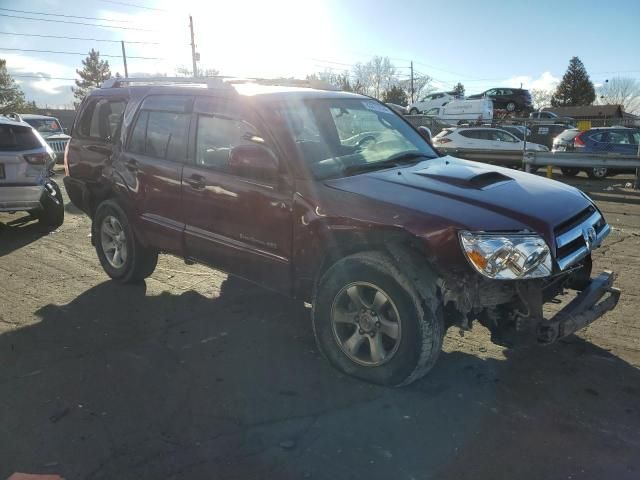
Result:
pixel 196 376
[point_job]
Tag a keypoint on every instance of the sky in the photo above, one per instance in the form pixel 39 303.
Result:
pixel 481 43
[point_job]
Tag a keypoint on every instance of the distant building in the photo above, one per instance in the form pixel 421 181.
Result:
pixel 66 116
pixel 600 115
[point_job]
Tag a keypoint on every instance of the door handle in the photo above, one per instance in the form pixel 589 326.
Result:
pixel 196 182
pixel 132 165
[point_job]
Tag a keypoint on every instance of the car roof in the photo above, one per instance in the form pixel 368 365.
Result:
pixel 244 89
pixel 33 116
pixel 10 121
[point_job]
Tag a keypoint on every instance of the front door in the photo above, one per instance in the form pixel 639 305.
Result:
pixel 239 224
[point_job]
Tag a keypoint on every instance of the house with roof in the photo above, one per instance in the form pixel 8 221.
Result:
pixel 599 115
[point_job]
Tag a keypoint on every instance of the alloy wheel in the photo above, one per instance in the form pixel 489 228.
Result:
pixel 114 241
pixel 366 324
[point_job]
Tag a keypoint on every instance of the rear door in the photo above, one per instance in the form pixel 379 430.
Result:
pixel 240 224
pixel 151 167
pixel 622 142
pixel 94 134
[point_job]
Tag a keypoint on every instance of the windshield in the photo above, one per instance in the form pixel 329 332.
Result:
pixel 338 137
pixel 45 126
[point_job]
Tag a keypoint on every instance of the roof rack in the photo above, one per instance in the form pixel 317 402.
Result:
pixel 13 116
pixel 215 82
pixel 209 82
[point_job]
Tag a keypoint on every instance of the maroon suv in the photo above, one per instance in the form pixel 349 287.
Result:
pixel 334 199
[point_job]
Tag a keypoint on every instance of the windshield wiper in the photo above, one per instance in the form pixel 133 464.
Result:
pixel 405 158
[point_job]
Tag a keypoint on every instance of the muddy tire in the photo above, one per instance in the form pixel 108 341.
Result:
pixel 371 323
pixel 121 255
pixel 570 171
pixel 52 213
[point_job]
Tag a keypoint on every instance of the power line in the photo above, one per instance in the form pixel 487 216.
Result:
pixel 75 38
pixel 77 23
pixel 75 53
pixel 62 15
pixel 134 5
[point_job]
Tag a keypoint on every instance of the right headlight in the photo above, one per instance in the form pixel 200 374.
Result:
pixel 507 256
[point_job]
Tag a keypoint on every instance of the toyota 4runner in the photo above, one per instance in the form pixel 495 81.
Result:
pixel 332 198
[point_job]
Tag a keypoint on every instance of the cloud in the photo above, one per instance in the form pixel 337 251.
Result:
pixel 34 75
pixel 546 81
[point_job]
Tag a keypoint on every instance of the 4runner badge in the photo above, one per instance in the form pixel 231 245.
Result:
pixel 589 235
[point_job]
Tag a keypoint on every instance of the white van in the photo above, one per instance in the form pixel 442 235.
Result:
pixel 463 111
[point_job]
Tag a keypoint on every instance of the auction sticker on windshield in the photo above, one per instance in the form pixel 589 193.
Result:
pixel 375 106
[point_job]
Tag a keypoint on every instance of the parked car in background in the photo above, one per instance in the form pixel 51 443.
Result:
pixel 544 134
pixel 487 144
pixel 550 117
pixel 25 165
pixel 563 142
pixel 517 130
pixel 463 111
pixel 431 101
pixel 399 109
pixel 51 130
pixel 509 99
pixel 608 140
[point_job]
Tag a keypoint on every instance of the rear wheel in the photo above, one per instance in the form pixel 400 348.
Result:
pixel 414 111
pixel 570 171
pixel 52 213
pixel 121 255
pixel 597 173
pixel 371 323
pixel 511 107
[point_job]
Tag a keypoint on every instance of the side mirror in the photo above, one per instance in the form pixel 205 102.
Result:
pixel 425 133
pixel 253 161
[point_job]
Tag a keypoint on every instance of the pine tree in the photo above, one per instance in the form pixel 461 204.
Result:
pixel 576 88
pixel 93 73
pixel 458 90
pixel 396 95
pixel 11 95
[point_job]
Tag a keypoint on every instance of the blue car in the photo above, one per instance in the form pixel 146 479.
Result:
pixel 620 140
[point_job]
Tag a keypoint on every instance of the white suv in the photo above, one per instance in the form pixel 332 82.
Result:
pixel 432 100
pixel 25 165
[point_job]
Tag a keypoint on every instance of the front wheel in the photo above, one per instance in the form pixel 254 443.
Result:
pixel 121 255
pixel 597 173
pixel 371 323
pixel 511 107
pixel 414 111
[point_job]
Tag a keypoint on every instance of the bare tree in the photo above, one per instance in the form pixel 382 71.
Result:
pixel 375 76
pixel 422 85
pixel 623 91
pixel 541 98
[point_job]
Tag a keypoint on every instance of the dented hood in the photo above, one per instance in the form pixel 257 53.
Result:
pixel 472 195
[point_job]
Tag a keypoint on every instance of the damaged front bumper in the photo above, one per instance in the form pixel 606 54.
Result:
pixel 591 303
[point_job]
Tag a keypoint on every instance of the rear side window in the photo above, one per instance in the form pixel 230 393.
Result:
pixel 470 134
pixel 619 138
pixel 101 119
pixel 162 127
pixel 598 137
pixel 15 138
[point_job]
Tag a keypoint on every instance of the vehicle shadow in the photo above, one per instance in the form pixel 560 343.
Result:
pixel 123 384
pixel 19 231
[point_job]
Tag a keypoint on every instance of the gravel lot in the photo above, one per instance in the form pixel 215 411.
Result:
pixel 196 376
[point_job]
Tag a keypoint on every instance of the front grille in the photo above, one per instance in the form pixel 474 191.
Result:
pixel 572 236
pixel 58 146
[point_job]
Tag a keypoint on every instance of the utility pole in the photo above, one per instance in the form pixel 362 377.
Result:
pixel 124 60
pixel 193 48
pixel 411 81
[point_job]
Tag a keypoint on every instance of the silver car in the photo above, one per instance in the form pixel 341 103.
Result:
pixel 26 161
pixel 51 130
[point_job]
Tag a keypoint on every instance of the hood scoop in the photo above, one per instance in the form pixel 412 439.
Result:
pixel 463 176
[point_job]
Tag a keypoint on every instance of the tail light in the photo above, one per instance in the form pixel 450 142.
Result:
pixel 66 159
pixel 37 158
pixel 578 142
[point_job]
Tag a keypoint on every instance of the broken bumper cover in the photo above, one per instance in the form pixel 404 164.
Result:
pixel 590 304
